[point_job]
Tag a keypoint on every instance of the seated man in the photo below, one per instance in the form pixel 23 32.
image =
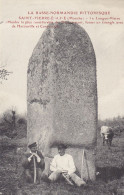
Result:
pixel 63 165
pixel 33 164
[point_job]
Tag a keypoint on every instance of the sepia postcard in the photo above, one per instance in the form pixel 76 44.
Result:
pixel 62 94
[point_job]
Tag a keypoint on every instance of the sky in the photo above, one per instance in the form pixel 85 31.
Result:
pixel 17 45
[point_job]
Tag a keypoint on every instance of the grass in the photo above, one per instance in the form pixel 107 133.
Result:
pixel 109 162
pixel 113 156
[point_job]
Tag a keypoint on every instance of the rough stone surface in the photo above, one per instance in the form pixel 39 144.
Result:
pixel 62 90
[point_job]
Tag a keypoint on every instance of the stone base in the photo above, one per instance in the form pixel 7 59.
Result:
pixel 84 161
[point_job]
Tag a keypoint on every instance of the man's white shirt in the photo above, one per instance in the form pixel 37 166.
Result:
pixel 63 163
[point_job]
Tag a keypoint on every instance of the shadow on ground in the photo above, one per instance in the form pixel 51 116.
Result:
pixel 107 174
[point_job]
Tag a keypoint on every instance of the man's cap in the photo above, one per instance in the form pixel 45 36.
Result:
pixel 32 145
pixel 61 146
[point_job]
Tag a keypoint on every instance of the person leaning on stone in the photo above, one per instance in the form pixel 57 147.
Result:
pixel 33 164
pixel 63 165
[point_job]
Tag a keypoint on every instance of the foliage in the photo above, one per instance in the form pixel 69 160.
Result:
pixel 117 123
pixel 13 124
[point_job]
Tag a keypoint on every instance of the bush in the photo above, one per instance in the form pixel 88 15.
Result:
pixel 13 125
pixel 117 123
pixel 22 121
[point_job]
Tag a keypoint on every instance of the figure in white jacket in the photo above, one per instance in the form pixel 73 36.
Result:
pixel 63 165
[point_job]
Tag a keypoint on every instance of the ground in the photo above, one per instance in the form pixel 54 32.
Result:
pixel 109 162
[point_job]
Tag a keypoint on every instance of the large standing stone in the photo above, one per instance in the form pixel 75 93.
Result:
pixel 62 93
